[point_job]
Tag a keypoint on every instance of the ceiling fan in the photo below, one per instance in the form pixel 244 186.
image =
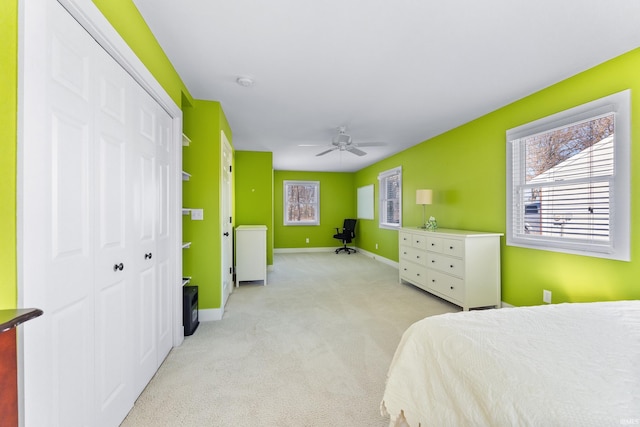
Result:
pixel 343 142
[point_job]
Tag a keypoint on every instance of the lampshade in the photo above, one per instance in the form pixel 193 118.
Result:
pixel 424 197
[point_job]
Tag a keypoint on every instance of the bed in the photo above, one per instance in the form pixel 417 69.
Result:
pixel 555 365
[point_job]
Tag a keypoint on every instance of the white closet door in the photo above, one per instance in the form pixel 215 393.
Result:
pixel 57 227
pixel 90 192
pixel 113 269
pixel 144 181
pixel 163 233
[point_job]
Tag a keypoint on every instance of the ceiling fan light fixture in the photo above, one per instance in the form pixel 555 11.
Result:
pixel 342 139
pixel 244 81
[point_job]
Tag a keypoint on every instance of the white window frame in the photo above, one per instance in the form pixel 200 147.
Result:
pixel 382 180
pixel 618 247
pixel 316 220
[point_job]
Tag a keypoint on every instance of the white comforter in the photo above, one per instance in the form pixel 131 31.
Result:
pixel 554 365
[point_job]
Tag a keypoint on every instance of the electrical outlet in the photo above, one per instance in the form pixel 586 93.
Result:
pixel 546 296
pixel 376 246
pixel 307 240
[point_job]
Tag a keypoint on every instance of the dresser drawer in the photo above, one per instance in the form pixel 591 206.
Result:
pixel 404 238
pixel 413 255
pixel 446 264
pixel 434 244
pixel 413 273
pixel 449 286
pixel 453 247
pixel 414 240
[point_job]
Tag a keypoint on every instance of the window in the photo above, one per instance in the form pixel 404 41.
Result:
pixel 301 203
pixel 568 180
pixel 391 198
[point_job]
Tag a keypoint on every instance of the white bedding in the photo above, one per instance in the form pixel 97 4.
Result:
pixel 553 365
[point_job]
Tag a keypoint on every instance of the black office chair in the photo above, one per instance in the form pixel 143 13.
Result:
pixel 348 233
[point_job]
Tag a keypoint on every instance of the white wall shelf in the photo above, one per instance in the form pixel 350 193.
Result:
pixel 186 245
pixel 186 176
pixel 185 140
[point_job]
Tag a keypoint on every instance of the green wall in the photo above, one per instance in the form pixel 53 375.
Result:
pixel 337 202
pixel 8 129
pixel 202 261
pixel 254 192
pixel 126 19
pixel 466 168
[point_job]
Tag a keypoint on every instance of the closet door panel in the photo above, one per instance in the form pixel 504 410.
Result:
pixel 57 252
pixel 163 244
pixel 145 288
pixel 112 281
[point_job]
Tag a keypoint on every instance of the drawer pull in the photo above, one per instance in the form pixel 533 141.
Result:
pixel 418 274
pixel 433 280
pixel 433 244
pixel 451 247
pixel 452 287
pixel 433 261
pixel 451 266
pixel 417 256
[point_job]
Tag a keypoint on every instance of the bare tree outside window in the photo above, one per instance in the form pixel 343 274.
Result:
pixel 573 165
pixel 301 203
pixel 568 180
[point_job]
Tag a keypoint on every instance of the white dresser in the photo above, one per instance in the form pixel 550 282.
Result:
pixel 460 266
pixel 251 253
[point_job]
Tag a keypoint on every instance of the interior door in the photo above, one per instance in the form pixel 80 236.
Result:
pixel 112 236
pixel 165 285
pixel 226 219
pixel 144 138
pixel 57 245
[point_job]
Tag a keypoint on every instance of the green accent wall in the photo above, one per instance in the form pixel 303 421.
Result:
pixel 337 202
pixel 466 168
pixel 202 261
pixel 254 192
pixel 8 129
pixel 126 19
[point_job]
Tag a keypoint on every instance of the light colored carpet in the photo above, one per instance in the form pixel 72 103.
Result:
pixel 311 348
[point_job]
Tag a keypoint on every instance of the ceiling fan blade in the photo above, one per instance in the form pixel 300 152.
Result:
pixel 312 145
pixel 355 151
pixel 369 144
pixel 328 151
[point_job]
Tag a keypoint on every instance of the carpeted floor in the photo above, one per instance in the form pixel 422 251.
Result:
pixel 311 348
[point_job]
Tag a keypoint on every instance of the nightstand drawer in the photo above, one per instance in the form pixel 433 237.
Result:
pixel 446 285
pixel 446 264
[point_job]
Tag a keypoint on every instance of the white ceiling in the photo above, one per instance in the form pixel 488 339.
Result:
pixel 398 72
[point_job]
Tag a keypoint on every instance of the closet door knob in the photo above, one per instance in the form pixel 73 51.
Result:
pixel 148 256
pixel 117 267
pixel 225 234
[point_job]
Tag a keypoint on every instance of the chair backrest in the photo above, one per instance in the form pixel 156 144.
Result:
pixel 350 227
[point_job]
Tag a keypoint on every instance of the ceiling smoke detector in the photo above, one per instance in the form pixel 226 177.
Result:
pixel 244 81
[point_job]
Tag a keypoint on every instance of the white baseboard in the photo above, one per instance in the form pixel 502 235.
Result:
pixel 301 250
pixel 210 314
pixel 332 249
pixel 506 305
pixel 379 258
